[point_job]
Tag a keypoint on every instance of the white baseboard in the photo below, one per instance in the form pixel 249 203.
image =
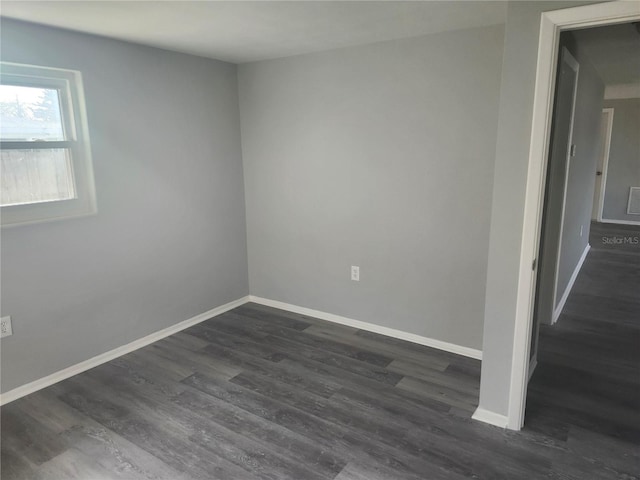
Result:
pixel 558 310
pixel 390 332
pixel 621 222
pixel 56 377
pixel 491 418
pixel 68 372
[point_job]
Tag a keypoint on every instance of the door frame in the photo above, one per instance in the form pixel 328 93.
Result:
pixel 605 162
pixel 551 25
pixel 573 63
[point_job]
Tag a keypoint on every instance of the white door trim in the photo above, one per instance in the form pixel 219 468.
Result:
pixel 605 161
pixel 552 23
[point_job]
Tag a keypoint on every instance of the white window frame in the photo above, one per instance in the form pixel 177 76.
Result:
pixel 74 119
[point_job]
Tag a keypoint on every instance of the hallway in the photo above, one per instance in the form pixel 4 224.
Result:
pixel 586 388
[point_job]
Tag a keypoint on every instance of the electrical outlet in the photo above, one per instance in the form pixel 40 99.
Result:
pixel 355 273
pixel 5 327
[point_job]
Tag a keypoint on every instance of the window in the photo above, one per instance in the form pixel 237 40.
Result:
pixel 45 170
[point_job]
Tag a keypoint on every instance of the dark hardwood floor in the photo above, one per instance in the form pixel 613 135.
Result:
pixel 585 391
pixel 259 393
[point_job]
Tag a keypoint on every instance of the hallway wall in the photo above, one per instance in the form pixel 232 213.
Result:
pixel 624 159
pixel 581 175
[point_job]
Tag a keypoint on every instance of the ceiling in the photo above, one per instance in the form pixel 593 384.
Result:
pixel 614 51
pixel 239 31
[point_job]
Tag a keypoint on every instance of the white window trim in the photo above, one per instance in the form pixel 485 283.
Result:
pixel 69 83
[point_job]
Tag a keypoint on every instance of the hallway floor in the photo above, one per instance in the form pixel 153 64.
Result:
pixel 586 389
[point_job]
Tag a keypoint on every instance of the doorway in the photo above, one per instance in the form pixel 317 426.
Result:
pixel 552 24
pixel 606 127
pixel 586 375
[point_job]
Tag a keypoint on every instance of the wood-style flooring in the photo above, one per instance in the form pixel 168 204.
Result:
pixel 259 393
pixel 585 391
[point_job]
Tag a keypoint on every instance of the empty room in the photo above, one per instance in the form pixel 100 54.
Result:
pixel 313 240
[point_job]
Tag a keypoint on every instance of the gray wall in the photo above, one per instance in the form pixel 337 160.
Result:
pixel 624 159
pixel 379 156
pixel 581 177
pixel 169 239
pixel 554 190
pixel 507 212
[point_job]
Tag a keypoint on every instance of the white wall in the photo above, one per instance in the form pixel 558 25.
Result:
pixel 379 156
pixel 168 241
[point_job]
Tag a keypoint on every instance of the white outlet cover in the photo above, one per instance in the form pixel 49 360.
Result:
pixel 355 273
pixel 5 327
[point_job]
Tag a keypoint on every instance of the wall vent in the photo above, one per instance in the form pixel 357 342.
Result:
pixel 634 201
